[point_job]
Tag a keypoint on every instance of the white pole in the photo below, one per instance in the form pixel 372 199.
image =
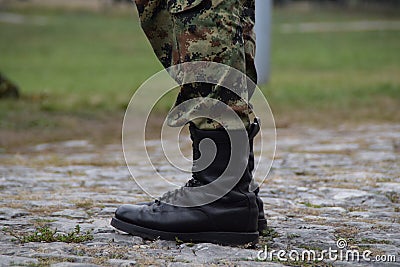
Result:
pixel 263 36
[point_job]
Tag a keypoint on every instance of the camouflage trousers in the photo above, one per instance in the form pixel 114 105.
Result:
pixel 220 31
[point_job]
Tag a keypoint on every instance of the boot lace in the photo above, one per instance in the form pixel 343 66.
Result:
pixel 178 192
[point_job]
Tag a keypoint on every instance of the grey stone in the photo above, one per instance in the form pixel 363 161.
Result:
pixel 137 240
pixel 164 244
pixel 376 156
pixel 104 237
pixel 346 194
pixel 201 254
pixel 328 210
pixel 16 260
pixel 127 240
pixel 122 263
pixel 324 184
pixel 331 147
pixel 73 264
pixel 9 213
pixel 389 187
pixel 77 214
pixel 107 211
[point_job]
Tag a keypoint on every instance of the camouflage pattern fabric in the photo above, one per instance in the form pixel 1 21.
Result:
pixel 219 31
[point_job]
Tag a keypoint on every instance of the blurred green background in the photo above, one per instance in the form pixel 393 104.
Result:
pixel 77 68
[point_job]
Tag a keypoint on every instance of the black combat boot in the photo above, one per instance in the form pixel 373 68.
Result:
pixel 262 221
pixel 230 219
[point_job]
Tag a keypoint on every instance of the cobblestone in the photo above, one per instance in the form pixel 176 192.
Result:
pixel 325 184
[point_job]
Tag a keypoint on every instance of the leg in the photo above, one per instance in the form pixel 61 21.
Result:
pixel 250 51
pixel 206 30
pixel 157 24
pixel 211 30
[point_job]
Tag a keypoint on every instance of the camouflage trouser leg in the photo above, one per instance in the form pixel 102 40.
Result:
pixel 203 30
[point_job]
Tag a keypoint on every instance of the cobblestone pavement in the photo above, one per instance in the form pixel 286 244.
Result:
pixel 325 184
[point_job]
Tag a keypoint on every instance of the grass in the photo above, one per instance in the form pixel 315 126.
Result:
pixel 91 59
pixel 374 241
pixel 78 72
pixel 85 204
pixel 310 205
pixel 45 234
pixel 393 197
pixel 343 76
pixel 267 236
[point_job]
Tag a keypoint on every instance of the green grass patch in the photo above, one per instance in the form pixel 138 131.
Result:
pixel 310 205
pixel 339 76
pixel 85 204
pixel 78 59
pixel 374 241
pixel 267 236
pixel 394 197
pixel 86 64
pixel 45 234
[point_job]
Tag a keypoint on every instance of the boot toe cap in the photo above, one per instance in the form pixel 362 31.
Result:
pixel 128 212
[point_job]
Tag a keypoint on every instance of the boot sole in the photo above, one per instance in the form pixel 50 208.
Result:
pixel 222 238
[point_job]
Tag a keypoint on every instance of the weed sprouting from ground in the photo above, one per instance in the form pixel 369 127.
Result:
pixel 48 235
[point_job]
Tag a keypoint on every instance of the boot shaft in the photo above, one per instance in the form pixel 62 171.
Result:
pixel 222 154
